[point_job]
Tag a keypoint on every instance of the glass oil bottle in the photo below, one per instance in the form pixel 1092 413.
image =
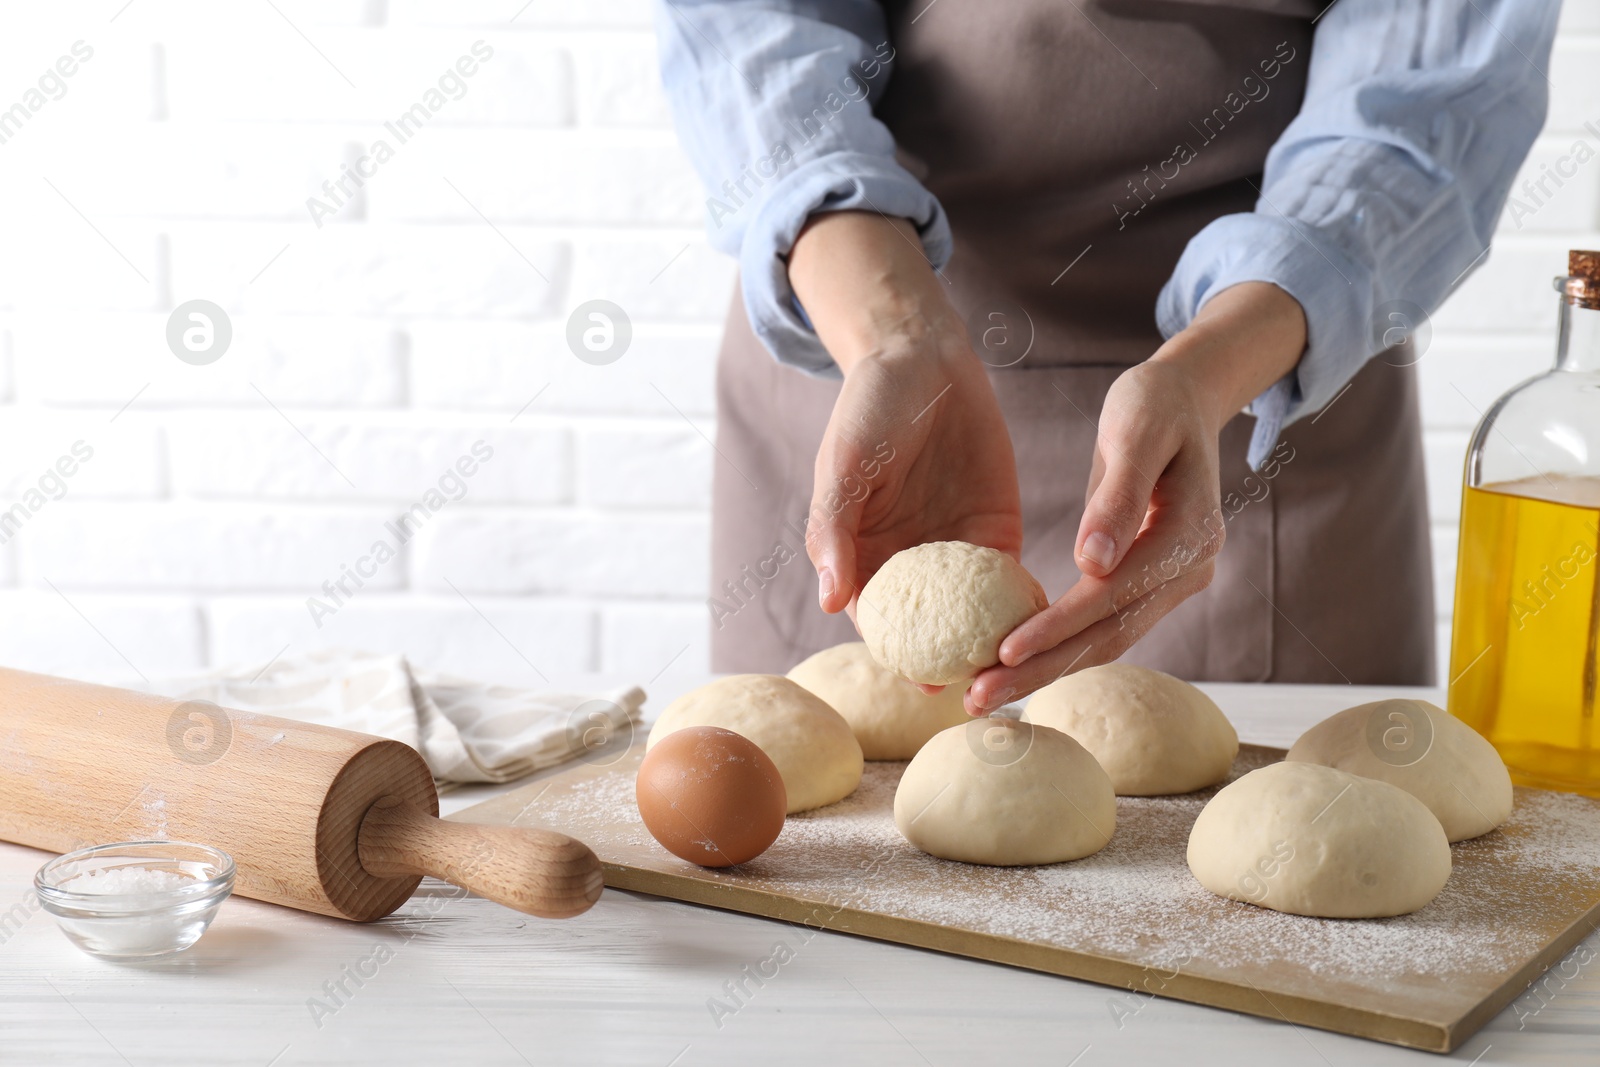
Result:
pixel 1527 609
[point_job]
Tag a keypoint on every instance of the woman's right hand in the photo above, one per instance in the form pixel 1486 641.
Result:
pixel 916 449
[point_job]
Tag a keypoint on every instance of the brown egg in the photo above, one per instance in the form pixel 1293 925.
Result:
pixel 711 796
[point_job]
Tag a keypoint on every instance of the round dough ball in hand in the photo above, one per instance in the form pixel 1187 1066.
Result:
pixel 1154 734
pixel 892 718
pixel 1005 793
pixel 936 613
pixel 1424 750
pixel 813 746
pixel 1311 840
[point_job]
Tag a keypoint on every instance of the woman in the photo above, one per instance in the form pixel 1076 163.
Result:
pixel 1073 242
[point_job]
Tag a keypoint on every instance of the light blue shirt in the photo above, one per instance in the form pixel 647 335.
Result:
pixel 1385 187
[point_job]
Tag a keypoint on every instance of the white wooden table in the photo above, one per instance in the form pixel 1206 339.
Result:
pixel 456 980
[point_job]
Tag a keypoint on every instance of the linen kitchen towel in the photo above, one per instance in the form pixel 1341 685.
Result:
pixel 466 731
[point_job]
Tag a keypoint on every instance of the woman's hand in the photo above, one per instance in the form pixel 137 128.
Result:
pixel 916 449
pixel 1153 524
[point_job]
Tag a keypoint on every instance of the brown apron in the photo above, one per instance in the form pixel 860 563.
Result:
pixel 1047 129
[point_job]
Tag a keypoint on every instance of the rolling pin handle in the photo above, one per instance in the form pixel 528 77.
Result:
pixel 539 872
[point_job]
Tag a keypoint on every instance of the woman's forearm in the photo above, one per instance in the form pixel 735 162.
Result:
pixel 1245 338
pixel 868 289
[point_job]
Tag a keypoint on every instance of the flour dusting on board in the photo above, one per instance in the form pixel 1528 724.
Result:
pixel 1135 899
pixel 154 806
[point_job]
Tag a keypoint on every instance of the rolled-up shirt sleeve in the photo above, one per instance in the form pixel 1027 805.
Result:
pixel 773 103
pixel 1386 186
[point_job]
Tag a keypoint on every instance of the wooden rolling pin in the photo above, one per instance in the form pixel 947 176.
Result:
pixel 319 819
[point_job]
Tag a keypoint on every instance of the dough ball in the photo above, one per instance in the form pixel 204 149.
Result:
pixel 815 751
pixel 936 613
pixel 1152 733
pixel 1005 793
pixel 1311 840
pixel 891 718
pixel 1424 750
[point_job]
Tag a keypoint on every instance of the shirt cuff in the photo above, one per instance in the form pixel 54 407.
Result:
pixel 1334 291
pixel 842 181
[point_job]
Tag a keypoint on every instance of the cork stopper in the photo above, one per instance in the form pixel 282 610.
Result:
pixel 1583 278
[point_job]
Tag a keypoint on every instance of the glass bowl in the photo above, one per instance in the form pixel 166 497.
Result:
pixel 136 899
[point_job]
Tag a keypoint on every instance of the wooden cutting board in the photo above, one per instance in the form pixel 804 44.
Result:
pixel 1131 915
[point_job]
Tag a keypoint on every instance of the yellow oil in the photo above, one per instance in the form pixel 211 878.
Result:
pixel 1527 613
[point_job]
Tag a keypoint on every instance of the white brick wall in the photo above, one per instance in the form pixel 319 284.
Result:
pixel 374 350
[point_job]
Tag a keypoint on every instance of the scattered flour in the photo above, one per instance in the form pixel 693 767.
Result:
pixel 1510 892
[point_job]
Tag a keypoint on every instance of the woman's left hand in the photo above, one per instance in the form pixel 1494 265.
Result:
pixel 1153 522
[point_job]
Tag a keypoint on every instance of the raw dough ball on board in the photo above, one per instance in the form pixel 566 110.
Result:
pixel 936 613
pixel 1005 793
pixel 891 718
pixel 815 751
pixel 1311 840
pixel 1424 750
pixel 1153 733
